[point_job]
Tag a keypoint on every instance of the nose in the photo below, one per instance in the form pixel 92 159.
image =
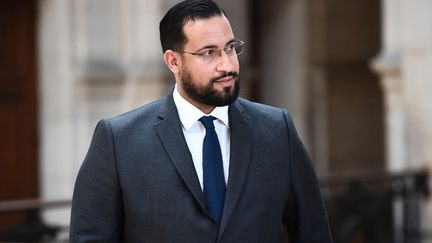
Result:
pixel 226 62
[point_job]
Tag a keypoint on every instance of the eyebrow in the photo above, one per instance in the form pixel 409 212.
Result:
pixel 214 46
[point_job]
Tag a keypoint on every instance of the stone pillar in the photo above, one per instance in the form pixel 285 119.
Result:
pixel 283 56
pixel 118 62
pixel 98 58
pixel 417 73
pixel 99 66
pixel 388 65
pixel 405 67
pixel 417 66
pixel 56 106
pixel 317 76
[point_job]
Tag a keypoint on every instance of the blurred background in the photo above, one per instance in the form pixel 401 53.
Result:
pixel 355 74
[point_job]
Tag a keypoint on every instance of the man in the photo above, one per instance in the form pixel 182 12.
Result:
pixel 199 165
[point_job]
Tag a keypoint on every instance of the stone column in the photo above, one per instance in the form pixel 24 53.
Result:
pixel 417 66
pixel 118 60
pixel 98 58
pixel 283 56
pixel 388 66
pixel 405 68
pixel 56 106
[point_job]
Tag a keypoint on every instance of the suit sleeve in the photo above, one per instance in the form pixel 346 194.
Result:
pixel 305 216
pixel 97 205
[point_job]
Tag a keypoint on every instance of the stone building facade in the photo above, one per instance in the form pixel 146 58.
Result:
pixel 356 75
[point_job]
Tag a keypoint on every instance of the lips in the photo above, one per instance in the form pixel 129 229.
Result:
pixel 226 81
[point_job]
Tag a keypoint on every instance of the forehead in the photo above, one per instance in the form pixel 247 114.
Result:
pixel 212 31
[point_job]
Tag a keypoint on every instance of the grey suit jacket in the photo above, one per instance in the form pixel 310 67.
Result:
pixel 138 182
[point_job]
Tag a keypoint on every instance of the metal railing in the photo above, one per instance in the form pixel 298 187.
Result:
pixel 31 228
pixel 376 206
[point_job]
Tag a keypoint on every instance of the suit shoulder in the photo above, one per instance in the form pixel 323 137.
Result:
pixel 141 115
pixel 261 110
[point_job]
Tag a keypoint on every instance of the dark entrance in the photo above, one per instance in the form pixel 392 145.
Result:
pixel 18 105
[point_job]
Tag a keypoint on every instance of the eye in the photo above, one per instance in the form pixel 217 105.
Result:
pixel 230 46
pixel 208 53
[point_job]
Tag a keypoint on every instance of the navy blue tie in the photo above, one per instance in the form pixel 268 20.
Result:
pixel 213 173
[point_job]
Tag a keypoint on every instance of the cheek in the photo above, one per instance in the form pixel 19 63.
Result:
pixel 204 74
pixel 236 64
pixel 199 70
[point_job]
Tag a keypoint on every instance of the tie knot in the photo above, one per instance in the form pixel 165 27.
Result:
pixel 207 121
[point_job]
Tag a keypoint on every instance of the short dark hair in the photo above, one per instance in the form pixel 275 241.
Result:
pixel 171 32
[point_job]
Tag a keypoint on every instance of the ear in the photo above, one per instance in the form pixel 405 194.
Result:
pixel 173 61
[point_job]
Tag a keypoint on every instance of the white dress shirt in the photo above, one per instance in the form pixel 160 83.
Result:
pixel 194 132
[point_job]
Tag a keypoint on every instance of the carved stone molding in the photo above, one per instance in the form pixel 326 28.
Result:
pixel 387 63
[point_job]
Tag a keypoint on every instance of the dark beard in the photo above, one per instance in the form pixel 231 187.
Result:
pixel 207 94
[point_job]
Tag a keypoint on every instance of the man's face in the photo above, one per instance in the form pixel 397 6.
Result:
pixel 208 83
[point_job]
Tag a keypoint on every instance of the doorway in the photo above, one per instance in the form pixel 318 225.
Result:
pixel 18 105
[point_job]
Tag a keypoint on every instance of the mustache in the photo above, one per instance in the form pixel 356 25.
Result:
pixel 227 74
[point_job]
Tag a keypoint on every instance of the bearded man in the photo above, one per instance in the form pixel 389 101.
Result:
pixel 199 165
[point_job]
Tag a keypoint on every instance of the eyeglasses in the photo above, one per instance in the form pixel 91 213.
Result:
pixel 209 55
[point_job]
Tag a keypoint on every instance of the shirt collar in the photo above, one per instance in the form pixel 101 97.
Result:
pixel 189 114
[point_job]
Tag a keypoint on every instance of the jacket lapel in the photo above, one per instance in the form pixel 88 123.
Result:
pixel 170 133
pixel 241 146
